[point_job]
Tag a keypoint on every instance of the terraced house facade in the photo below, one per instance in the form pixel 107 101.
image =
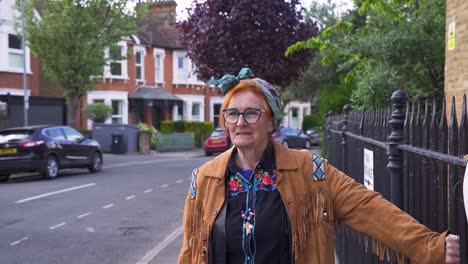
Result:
pixel 156 83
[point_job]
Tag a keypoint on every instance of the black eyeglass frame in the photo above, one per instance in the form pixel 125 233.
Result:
pixel 239 113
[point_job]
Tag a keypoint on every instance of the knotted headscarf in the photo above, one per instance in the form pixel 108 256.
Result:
pixel 229 81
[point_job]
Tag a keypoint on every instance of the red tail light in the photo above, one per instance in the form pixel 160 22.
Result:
pixel 30 144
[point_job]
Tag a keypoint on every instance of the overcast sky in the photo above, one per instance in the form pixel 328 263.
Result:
pixel 183 4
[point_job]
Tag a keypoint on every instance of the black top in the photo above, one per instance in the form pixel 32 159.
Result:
pixel 256 223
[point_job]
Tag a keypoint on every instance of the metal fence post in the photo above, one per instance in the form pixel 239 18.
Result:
pixel 395 156
pixel 344 152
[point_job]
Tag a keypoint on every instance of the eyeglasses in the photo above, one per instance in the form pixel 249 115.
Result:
pixel 251 115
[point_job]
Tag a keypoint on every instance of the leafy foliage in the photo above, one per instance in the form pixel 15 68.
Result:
pixel 97 112
pixel 223 36
pixel 70 38
pixel 383 46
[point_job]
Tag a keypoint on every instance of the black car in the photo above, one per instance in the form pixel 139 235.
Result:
pixel 292 138
pixel 46 149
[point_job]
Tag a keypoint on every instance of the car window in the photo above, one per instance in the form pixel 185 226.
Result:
pixel 72 134
pixel 55 133
pixel 217 133
pixel 15 135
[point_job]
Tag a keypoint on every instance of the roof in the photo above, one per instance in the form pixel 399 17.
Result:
pixel 153 93
pixel 161 35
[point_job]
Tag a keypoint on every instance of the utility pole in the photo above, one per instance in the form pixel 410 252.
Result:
pixel 25 83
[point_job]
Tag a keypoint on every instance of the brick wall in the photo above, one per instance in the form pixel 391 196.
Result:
pixel 456 53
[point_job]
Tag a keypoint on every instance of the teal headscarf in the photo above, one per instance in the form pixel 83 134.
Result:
pixel 229 81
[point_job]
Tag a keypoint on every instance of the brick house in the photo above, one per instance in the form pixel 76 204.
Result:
pixel 11 57
pixel 155 83
pixel 456 53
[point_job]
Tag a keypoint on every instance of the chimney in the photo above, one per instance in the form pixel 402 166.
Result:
pixel 163 11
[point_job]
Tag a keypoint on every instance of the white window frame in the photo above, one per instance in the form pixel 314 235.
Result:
pixel 196 117
pixel 160 53
pixel 5 51
pixel 119 115
pixel 107 97
pixel 142 51
pixel 124 63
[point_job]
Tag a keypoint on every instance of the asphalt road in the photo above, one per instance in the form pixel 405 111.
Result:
pixel 130 213
pixel 117 216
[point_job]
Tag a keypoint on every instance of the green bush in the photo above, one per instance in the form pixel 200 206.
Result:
pixel 202 130
pixel 152 130
pixel 167 127
pixel 97 112
pixel 315 120
pixel 179 126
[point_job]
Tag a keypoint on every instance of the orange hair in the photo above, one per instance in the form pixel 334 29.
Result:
pixel 244 85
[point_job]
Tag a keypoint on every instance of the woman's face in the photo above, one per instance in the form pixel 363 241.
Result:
pixel 242 134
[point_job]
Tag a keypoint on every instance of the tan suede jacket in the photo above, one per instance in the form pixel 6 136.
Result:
pixel 313 206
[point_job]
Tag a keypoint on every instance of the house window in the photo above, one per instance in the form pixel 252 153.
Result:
pixel 158 68
pixel 95 101
pixel 117 116
pixel 180 62
pixel 139 65
pixel 15 52
pixel 196 112
pixel 116 63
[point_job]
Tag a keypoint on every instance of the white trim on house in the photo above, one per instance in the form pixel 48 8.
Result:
pixel 13 91
pixel 6 28
pixel 300 108
pixel 183 70
pixel 161 53
pixel 108 96
pixel 124 63
pixel 189 101
pixel 142 64
pixel 214 100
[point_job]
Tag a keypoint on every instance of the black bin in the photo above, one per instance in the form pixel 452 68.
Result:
pixel 117 146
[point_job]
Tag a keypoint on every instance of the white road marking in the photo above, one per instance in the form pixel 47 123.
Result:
pixel 164 185
pixel 57 226
pixel 148 191
pixel 19 241
pixel 90 229
pixel 107 206
pixel 130 197
pixel 56 192
pixel 160 247
pixel 180 181
pixel 84 215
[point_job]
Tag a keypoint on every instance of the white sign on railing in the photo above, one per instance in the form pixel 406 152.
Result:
pixel 369 169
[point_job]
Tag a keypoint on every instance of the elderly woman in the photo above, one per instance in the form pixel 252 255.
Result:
pixel 260 202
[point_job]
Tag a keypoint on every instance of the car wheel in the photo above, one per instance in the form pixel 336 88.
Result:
pixel 208 153
pixel 285 143
pixel 96 166
pixel 4 177
pixel 51 167
pixel 307 144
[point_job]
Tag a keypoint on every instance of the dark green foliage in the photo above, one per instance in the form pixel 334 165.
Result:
pixel 312 121
pixel 179 126
pixel 201 129
pixel 379 47
pixel 223 36
pixel 97 112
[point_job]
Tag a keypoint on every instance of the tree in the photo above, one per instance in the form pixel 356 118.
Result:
pixel 223 36
pixel 385 46
pixel 70 38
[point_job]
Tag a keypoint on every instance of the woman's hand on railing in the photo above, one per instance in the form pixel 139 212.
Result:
pixel 452 249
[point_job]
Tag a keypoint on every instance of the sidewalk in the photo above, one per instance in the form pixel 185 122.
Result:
pixel 110 159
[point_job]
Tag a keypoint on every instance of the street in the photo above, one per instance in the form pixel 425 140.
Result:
pixel 129 213
pixel 116 216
